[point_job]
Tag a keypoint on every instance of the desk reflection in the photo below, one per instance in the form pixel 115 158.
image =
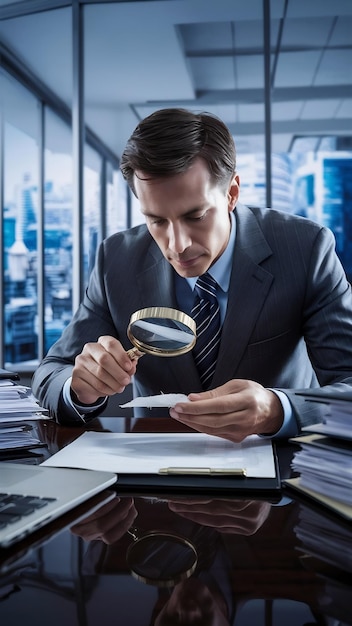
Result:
pixel 248 569
pixel 253 565
pixel 204 594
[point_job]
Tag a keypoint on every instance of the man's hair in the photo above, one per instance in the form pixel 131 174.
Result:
pixel 168 141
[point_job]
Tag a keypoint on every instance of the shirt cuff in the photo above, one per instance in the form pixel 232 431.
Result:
pixel 82 411
pixel 289 426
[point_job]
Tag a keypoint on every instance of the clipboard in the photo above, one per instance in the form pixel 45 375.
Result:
pixel 177 461
pixel 256 488
pixel 234 485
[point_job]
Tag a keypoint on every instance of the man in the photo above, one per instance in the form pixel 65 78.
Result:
pixel 284 302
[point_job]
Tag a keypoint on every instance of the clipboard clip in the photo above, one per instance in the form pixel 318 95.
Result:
pixel 204 471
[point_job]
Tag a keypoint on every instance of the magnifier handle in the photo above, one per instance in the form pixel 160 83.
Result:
pixel 134 353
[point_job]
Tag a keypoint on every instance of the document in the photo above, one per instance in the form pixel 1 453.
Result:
pixel 17 403
pixel 17 437
pixel 335 410
pixel 168 453
pixel 324 538
pixel 334 459
pixel 167 400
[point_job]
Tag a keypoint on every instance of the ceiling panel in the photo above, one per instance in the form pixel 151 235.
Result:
pixel 213 73
pixel 209 37
pixel 286 110
pixel 202 54
pixel 250 71
pixel 335 68
pixel 341 35
pixel 319 109
pixel 307 32
pixel 345 111
pixel 296 68
pixel 251 113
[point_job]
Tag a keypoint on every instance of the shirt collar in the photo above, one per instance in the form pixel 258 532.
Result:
pixel 221 270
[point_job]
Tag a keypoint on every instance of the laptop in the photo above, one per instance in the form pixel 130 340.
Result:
pixel 31 496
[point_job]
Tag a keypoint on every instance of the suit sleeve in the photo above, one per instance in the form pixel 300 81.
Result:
pixel 327 324
pixel 91 320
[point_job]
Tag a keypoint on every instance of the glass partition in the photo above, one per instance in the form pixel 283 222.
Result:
pixel 91 208
pixel 116 200
pixel 20 211
pixel 58 227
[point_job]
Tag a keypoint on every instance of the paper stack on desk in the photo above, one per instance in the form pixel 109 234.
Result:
pixel 17 406
pixel 324 539
pixel 324 461
pixel 17 403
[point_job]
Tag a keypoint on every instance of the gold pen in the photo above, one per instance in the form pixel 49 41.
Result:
pixel 203 471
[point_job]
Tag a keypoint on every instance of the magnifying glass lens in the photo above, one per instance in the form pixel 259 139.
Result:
pixel 161 331
pixel 161 560
pixel 162 334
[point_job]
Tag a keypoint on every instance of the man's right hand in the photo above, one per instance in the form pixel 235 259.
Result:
pixel 102 369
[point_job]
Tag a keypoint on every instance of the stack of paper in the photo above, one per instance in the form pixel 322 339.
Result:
pixel 324 461
pixel 325 539
pixel 17 406
pixel 17 403
pixel 325 544
pixel 18 436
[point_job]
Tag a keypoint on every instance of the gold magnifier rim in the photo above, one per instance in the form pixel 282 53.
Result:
pixel 159 534
pixel 162 312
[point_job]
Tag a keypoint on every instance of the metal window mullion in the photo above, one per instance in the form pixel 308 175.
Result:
pixel 78 150
pixel 128 206
pixel 40 236
pixel 103 198
pixel 267 100
pixel 2 282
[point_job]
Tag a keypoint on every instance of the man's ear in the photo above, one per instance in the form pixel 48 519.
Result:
pixel 233 192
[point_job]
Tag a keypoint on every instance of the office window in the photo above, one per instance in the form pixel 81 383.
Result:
pixel 58 227
pixel 116 200
pixel 137 215
pixel 21 174
pixel 313 184
pixel 91 208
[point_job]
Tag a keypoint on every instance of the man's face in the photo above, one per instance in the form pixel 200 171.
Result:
pixel 188 216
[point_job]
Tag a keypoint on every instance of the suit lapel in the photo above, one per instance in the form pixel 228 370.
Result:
pixel 155 282
pixel 249 286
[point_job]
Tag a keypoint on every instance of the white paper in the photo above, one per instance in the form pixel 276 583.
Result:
pixel 18 403
pixel 163 400
pixel 147 453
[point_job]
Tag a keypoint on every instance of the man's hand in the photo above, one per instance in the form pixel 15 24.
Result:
pixel 102 369
pixel 233 411
pixel 240 517
pixel 109 523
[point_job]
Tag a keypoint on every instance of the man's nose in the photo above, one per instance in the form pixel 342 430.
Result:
pixel 179 239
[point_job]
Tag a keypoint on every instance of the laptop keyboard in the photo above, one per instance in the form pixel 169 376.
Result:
pixel 13 507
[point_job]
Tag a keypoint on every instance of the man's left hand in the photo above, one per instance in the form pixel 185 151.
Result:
pixel 233 411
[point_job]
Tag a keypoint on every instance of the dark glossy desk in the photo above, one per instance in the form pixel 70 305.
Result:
pixel 253 566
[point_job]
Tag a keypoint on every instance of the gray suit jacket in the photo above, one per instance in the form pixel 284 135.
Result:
pixel 288 323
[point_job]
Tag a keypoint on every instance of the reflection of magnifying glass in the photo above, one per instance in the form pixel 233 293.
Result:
pixel 161 331
pixel 160 558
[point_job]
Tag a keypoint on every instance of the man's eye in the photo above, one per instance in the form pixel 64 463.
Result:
pixel 156 221
pixel 197 218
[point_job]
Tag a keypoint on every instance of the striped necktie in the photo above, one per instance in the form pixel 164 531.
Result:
pixel 206 314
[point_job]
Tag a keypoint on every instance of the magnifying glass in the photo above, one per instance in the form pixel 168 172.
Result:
pixel 160 558
pixel 161 331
